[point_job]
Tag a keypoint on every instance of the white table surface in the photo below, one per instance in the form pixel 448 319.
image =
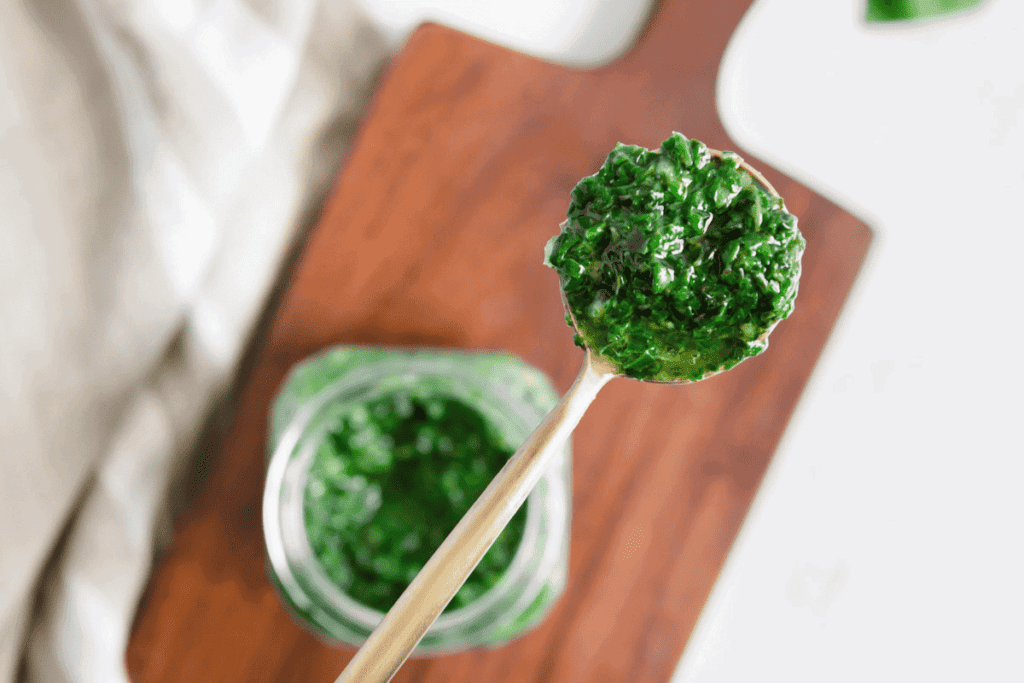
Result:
pixel 886 543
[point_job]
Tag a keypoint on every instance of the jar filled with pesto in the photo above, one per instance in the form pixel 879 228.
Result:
pixel 374 456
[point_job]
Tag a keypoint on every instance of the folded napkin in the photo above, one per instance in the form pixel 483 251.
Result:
pixel 157 158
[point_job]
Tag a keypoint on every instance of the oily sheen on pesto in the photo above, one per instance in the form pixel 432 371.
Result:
pixel 675 264
pixel 390 482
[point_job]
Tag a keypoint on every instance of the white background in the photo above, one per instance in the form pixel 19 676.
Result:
pixel 886 542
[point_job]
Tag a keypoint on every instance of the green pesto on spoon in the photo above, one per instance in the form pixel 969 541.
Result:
pixel 675 265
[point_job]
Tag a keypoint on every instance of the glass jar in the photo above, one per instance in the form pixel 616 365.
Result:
pixel 510 395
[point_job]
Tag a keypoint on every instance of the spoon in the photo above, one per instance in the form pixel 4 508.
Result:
pixel 407 621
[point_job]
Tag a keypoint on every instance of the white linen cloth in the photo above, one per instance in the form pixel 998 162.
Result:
pixel 156 158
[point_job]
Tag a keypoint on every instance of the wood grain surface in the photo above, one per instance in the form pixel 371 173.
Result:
pixel 434 236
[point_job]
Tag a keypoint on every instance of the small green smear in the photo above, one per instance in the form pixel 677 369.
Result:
pixel 675 263
pixel 390 482
pixel 902 10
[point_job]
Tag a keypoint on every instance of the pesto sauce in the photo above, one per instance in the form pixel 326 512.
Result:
pixel 388 484
pixel 675 264
pixel 897 10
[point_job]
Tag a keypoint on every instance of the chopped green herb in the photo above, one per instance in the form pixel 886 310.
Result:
pixel 675 263
pixel 389 483
pixel 899 10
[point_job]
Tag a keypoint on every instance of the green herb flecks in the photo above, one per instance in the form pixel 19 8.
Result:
pixel 389 483
pixel 902 10
pixel 676 264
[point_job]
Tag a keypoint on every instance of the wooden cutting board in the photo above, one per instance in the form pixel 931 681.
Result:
pixel 434 236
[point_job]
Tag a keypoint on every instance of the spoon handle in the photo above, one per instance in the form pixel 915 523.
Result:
pixel 441 577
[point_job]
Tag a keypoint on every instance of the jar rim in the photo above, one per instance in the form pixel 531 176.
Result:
pixel 305 432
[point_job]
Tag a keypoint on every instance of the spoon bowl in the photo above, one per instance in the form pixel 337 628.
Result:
pixel 759 179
